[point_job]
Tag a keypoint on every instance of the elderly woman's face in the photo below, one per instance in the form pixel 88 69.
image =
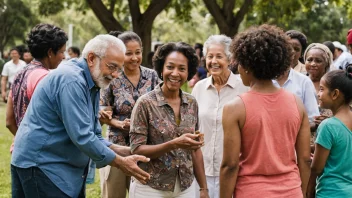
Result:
pixel 316 64
pixel 175 71
pixel 217 62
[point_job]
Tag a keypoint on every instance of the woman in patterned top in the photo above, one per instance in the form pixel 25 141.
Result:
pixel 47 45
pixel 122 95
pixel 163 124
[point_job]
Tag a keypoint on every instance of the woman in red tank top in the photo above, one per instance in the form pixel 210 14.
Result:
pixel 266 130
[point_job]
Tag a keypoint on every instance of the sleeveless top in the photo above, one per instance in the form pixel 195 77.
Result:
pixel 23 87
pixel 267 165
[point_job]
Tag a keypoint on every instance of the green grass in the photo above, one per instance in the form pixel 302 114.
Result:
pixel 92 190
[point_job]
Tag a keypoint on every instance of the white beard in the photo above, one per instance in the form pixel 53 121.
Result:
pixel 99 79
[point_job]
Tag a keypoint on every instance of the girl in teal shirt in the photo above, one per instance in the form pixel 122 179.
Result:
pixel 331 170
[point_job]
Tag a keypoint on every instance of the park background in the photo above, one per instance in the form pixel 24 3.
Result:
pixel 161 21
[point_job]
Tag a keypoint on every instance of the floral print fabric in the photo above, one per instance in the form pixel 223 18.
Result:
pixel 153 122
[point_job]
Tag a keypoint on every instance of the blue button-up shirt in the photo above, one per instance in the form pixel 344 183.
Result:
pixel 303 87
pixel 60 130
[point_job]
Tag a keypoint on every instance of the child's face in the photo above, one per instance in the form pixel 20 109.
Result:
pixel 324 95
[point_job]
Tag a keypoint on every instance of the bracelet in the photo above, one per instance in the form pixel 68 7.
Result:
pixel 200 189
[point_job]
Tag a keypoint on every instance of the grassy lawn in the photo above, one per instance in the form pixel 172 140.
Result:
pixel 92 191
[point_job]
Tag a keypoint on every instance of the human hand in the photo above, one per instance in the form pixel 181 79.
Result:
pixel 3 95
pixel 319 119
pixel 203 194
pixel 187 141
pixel 105 112
pixel 125 125
pixel 129 166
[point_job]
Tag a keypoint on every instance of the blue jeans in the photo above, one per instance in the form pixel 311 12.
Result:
pixel 33 183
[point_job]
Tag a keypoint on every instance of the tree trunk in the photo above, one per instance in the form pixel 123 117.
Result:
pixel 146 37
pixel 227 22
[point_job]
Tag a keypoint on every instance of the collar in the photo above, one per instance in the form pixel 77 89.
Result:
pixel 82 63
pixel 161 99
pixel 231 82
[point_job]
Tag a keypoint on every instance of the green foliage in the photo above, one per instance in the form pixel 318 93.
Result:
pixel 15 20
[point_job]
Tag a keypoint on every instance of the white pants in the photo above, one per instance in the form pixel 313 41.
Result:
pixel 213 184
pixel 138 190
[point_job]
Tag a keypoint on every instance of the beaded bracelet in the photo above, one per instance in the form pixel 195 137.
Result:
pixel 200 189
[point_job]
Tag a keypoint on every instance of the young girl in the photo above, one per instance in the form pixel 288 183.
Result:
pixel 331 170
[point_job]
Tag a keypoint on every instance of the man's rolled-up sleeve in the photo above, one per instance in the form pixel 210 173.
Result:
pixel 73 104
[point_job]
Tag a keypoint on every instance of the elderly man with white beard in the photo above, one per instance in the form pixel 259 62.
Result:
pixel 61 129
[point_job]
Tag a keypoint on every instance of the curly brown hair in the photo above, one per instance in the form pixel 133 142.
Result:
pixel 263 50
pixel 184 48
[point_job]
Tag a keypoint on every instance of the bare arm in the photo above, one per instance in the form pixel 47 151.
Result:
pixel 199 172
pixel 232 143
pixel 303 147
pixel 186 141
pixel 121 150
pixel 3 87
pixel 10 117
pixel 319 160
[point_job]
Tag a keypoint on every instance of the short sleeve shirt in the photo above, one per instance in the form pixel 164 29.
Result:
pixel 336 180
pixel 11 69
pixel 152 123
pixel 122 95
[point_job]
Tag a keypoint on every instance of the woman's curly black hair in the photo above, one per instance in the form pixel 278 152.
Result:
pixel 263 50
pixel 44 37
pixel 185 49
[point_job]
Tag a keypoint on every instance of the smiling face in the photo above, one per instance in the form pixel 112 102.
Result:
pixel 316 64
pixel 217 62
pixel 133 55
pixel 324 95
pixel 175 71
pixel 107 68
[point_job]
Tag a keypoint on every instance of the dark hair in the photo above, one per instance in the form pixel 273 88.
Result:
pixel 294 34
pixel 75 50
pixel 44 37
pixel 185 49
pixel 199 46
pixel 263 50
pixel 156 46
pixel 330 45
pixel 16 49
pixel 126 36
pixel 341 80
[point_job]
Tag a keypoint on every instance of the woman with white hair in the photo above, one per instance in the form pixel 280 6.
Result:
pixel 212 94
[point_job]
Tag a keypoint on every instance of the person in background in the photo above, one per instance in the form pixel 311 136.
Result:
pixel 266 130
pixel 60 130
pixel 318 61
pixel 27 56
pixel 341 58
pixel 331 170
pixel 299 44
pixel 199 51
pixel 47 44
pixel 9 71
pixel 121 95
pixel 349 41
pixel 73 52
pixel 212 94
pixel 298 83
pixel 163 126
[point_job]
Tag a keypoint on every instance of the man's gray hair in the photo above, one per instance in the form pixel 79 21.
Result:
pixel 223 40
pixel 99 44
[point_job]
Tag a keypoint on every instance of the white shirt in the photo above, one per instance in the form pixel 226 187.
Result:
pixel 211 104
pixel 343 61
pixel 303 87
pixel 11 69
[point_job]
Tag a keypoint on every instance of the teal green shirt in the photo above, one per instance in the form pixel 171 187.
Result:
pixel 336 180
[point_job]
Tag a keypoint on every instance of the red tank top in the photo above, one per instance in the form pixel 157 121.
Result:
pixel 268 162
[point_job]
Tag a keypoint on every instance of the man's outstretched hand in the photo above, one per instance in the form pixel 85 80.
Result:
pixel 129 166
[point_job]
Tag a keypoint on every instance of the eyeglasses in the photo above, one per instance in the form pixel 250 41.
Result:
pixel 112 67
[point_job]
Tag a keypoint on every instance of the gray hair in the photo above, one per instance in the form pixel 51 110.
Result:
pixel 223 40
pixel 99 44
